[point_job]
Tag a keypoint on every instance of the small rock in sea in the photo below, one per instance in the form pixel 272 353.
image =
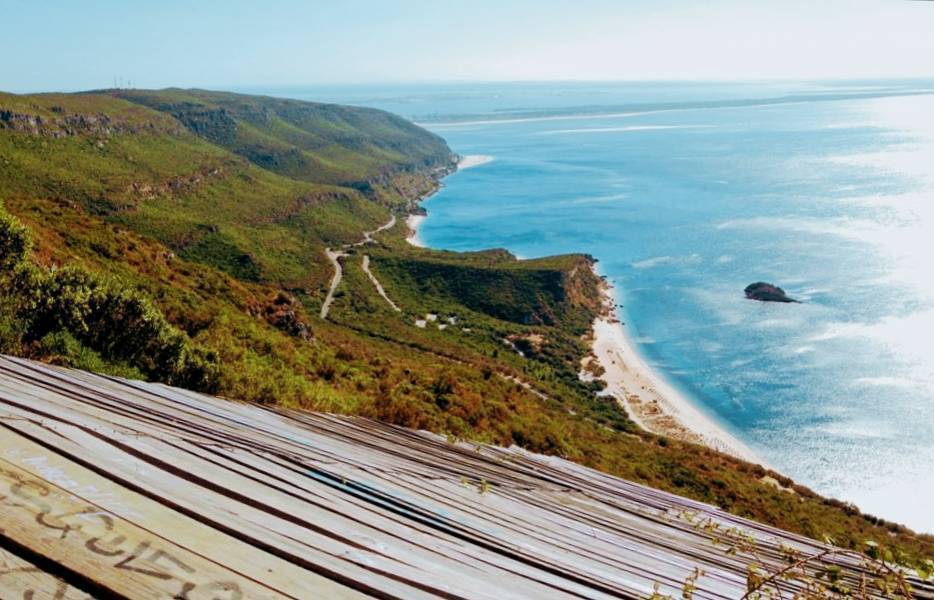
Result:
pixel 766 292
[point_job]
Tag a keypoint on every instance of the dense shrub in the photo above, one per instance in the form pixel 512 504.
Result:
pixel 15 242
pixel 73 313
pixel 64 349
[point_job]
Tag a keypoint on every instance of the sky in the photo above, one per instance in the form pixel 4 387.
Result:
pixel 72 45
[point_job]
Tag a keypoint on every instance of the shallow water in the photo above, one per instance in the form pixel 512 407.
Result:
pixel 686 193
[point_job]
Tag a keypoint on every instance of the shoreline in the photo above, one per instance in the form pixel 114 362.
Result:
pixel 649 400
pixel 414 220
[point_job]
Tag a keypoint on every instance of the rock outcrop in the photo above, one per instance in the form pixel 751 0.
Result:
pixel 70 125
pixel 766 292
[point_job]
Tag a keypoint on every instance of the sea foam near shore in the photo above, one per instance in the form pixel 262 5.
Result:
pixel 412 222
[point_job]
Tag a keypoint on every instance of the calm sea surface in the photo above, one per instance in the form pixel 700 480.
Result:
pixel 686 193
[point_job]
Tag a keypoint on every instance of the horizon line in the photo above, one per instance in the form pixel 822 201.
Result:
pixel 444 82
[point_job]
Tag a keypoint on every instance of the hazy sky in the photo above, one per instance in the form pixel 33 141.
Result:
pixel 71 44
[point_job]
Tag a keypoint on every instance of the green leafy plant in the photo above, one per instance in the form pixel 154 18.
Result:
pixel 88 320
pixel 15 242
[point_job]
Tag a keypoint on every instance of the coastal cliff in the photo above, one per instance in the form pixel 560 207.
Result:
pixel 531 292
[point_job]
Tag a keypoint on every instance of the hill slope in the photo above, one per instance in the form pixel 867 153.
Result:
pixel 321 143
pixel 144 170
pixel 161 253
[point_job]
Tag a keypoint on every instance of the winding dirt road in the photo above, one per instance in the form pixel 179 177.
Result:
pixel 377 284
pixel 335 257
pixel 368 235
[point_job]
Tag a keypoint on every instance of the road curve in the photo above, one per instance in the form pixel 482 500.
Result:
pixel 368 235
pixel 335 257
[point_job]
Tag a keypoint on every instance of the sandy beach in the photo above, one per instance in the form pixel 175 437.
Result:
pixel 473 160
pixel 414 220
pixel 649 400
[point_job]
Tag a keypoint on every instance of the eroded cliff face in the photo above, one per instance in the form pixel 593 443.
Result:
pixel 402 190
pixel 584 287
pixel 61 124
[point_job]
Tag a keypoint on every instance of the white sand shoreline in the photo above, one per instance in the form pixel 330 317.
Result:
pixel 473 160
pixel 414 220
pixel 653 403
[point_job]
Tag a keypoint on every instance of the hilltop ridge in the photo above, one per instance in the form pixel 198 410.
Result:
pixel 321 143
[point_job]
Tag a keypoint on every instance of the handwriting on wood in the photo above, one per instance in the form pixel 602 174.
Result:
pixel 114 554
pixel 22 579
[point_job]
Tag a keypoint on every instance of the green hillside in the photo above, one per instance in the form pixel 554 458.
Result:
pixel 320 143
pixel 180 236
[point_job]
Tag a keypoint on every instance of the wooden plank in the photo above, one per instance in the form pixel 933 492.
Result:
pixel 151 449
pixel 646 583
pixel 249 561
pixel 440 546
pixel 249 522
pixel 20 578
pixel 97 546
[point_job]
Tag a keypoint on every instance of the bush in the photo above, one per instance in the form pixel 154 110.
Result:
pixel 15 242
pixel 121 325
pixel 87 321
pixel 10 332
pixel 62 348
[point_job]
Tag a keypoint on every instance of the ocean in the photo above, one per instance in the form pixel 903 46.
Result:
pixel 688 192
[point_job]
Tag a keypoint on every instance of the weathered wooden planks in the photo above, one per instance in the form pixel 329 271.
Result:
pixel 289 580
pixel 20 578
pixel 104 552
pixel 303 505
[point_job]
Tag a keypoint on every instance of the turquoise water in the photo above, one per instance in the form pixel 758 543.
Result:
pixel 686 193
